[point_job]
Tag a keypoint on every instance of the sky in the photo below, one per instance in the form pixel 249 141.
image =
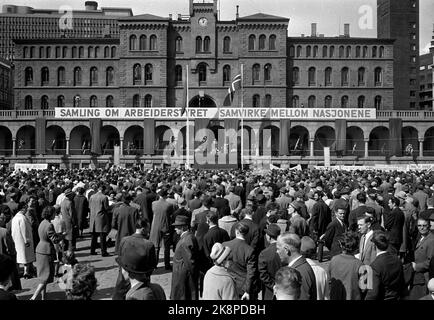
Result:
pixel 330 15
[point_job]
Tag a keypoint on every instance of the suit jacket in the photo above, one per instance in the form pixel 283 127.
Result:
pixel 234 202
pixel 214 234
pixel 333 234
pixel 185 269
pixel 222 206
pixel 245 267
pixel 308 282
pixel 423 255
pixel 422 198
pixel 321 217
pixel 352 218
pixel 259 214
pixel 124 221
pixel 69 216
pixel 268 264
pixel 99 218
pixel 369 253
pixel 253 237
pixel 394 223
pixel 160 223
pixel 388 278
pixel 81 205
pixel 47 238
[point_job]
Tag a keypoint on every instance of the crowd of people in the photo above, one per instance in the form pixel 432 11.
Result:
pixel 235 234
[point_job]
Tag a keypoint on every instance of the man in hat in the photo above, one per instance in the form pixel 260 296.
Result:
pixel 218 282
pixel 260 211
pixel 185 269
pixel 299 205
pixel 321 216
pixel 69 216
pixel 99 220
pixel 137 261
pixel 81 205
pixel 220 203
pixel 269 262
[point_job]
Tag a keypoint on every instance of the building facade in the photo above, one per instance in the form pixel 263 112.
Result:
pixel 426 71
pixel 147 64
pixel 6 80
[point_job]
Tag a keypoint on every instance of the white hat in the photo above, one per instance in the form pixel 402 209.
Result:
pixel 219 253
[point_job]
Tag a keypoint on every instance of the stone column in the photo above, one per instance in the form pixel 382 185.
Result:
pixel 311 143
pixel 257 137
pixel 14 147
pixel 421 147
pixel 366 148
pixel 121 146
pixel 67 146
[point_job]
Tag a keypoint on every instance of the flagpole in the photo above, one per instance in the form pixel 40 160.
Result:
pixel 242 117
pixel 187 131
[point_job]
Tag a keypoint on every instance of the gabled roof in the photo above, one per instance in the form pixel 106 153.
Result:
pixel 263 17
pixel 144 17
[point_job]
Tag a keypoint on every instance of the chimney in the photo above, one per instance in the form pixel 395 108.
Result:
pixel 313 28
pixel 346 29
pixel 237 15
pixel 91 5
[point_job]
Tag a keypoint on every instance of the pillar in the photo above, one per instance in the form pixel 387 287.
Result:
pixel 121 146
pixel 311 144
pixel 257 137
pixel 366 148
pixel 421 147
pixel 67 146
pixel 14 147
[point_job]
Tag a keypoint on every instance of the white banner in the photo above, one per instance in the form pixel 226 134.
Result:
pixel 30 166
pixel 117 156
pixel 327 157
pixel 214 113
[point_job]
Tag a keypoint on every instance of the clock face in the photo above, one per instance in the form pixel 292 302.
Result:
pixel 203 22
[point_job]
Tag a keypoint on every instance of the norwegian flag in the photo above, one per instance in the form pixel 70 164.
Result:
pixel 235 85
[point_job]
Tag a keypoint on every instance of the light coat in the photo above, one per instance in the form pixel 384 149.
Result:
pixel 22 233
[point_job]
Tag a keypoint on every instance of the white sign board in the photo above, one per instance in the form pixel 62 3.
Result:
pixel 326 157
pixel 30 166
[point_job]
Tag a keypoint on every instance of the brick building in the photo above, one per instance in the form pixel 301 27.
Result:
pixel 426 72
pixel 6 80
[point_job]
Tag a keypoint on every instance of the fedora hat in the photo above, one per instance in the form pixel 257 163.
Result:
pixel 219 253
pixel 135 259
pixel 180 221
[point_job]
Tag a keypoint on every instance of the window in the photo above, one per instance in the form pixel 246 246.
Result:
pixel 153 43
pixel 256 101
pixel 378 76
pixel 413 36
pixel 311 76
pixel 199 44
pixel 148 73
pixel 412 93
pixel 93 102
pixel 331 51
pixel 96 52
pixel 308 51
pixel 74 52
pixel 272 42
pixel 77 76
pixel 226 44
pixel 292 51
pixel 226 74
pixel 178 73
pixel 262 39
pixel 344 102
pixel 252 40
pixel 32 52
pixel 381 52
pixel 341 51
pixel 267 72
pixel 206 44
pixel 315 51
pixel 61 76
pixel 28 76
pixel 45 77
pixel 90 52
pixel 142 42
pixel 48 52
pixel 64 52
pixel 178 44
pixel 361 102
pixel 295 76
pixel 374 51
pixel 295 101
pixel 106 52
pixel 148 101
pixel 412 105
pixel 44 103
pixel 267 102
pixel 344 76
pixel 358 52
pixel 298 51
pixel 328 102
pixel 137 74
pixel 202 72
pixel 348 52
pixel 60 101
pixel 28 103
pixel 41 52
pixel 361 76
pixel 136 101
pixel 81 52
pixel 311 101
pixel 328 77
pixel 25 52
pixel 77 101
pixel 255 72
pixel 413 59
pixel 324 51
pixel 365 52
pixel 93 76
pixel 113 52
pixel 377 103
pixel 109 76
pixel 109 102
pixel 133 42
